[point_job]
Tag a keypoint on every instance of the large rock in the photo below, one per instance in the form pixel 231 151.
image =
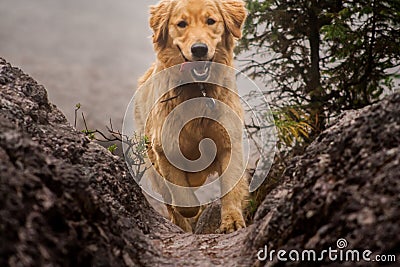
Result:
pixel 345 185
pixel 65 201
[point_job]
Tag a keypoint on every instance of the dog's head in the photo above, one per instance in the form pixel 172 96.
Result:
pixel 196 30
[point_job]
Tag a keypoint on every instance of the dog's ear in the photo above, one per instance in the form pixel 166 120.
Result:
pixel 159 19
pixel 234 14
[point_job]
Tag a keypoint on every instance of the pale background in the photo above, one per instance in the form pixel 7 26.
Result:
pixel 83 51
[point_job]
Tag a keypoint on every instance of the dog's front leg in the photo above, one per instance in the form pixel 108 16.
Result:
pixel 234 182
pixel 177 177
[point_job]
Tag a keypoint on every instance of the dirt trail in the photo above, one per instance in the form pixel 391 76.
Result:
pixel 205 250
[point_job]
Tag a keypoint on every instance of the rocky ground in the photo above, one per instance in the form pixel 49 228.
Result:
pixel 65 201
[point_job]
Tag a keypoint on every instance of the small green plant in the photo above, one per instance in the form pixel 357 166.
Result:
pixel 136 154
pixel 90 134
pixel 293 126
pixel 112 148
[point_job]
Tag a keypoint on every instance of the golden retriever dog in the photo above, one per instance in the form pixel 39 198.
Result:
pixel 187 31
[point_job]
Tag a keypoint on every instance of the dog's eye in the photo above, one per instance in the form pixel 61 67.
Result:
pixel 210 21
pixel 182 24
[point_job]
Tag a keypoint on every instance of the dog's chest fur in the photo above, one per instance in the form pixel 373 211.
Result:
pixel 195 130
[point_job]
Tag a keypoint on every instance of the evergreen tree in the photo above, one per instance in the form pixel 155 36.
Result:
pixel 321 56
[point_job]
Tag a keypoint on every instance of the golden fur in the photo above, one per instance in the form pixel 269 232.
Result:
pixel 217 24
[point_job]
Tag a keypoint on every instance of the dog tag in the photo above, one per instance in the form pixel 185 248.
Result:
pixel 211 103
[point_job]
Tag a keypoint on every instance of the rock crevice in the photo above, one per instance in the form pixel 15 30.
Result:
pixel 65 201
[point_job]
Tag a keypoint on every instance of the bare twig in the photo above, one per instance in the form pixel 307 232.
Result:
pixel 136 146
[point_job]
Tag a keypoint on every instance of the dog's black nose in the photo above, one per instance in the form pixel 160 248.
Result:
pixel 199 50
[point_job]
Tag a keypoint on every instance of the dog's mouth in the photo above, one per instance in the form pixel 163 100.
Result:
pixel 200 70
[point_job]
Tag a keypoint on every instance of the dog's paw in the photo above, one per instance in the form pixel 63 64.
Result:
pixel 231 221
